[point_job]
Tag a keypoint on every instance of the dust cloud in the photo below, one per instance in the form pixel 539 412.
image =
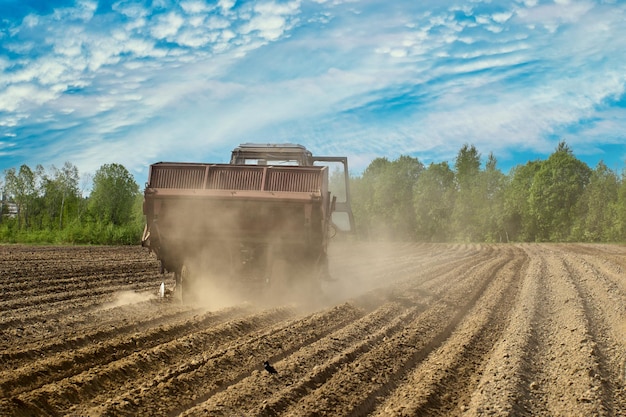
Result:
pixel 236 250
pixel 124 298
pixel 249 250
pixel 351 276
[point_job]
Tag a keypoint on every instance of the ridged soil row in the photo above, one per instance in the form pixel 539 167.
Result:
pixel 355 388
pixel 32 276
pixel 94 286
pixel 605 307
pixel 59 274
pixel 392 260
pixel 614 253
pixel 100 381
pixel 427 268
pixel 443 383
pixel 213 379
pixel 68 305
pixel 65 358
pixel 342 255
pixel 563 366
pixel 341 258
pixel 75 319
pixel 215 367
pixel 312 365
pixel 19 265
pixel 504 383
pixel 373 266
pixel 296 376
pixel 33 322
pixel 611 266
pixel 85 329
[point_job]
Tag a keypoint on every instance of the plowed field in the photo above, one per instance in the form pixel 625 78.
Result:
pixel 407 330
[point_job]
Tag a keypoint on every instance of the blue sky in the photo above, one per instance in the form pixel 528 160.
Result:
pixel 136 82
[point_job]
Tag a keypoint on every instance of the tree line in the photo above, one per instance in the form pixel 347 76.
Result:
pixel 557 199
pixel 553 200
pixel 47 206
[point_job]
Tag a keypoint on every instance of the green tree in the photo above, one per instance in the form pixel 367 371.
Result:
pixel 597 207
pixel 466 214
pixel 619 227
pixel 60 189
pixel 434 201
pixel 383 198
pixel 492 183
pixel 358 202
pixel 113 195
pixel 467 167
pixel 367 203
pixel 555 192
pixel 2 197
pixel 517 222
pixel 401 179
pixel 22 187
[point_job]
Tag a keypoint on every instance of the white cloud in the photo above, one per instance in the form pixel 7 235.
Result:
pixel 52 71
pixel 17 96
pixel 70 46
pixel 196 21
pixel 552 15
pixel 226 6
pixel 398 53
pixel 271 19
pixel 30 21
pixel 494 28
pixel 516 87
pixel 81 10
pixel 271 8
pixel 103 51
pixel 167 25
pixel 143 48
pixel 217 22
pixel 269 27
pixel 195 6
pixel 130 9
pixel 227 35
pixel 501 17
pixel 11 121
pixel 193 38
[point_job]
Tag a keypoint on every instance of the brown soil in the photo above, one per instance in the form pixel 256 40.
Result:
pixel 407 330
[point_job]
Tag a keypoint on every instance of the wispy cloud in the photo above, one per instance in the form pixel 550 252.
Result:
pixel 137 82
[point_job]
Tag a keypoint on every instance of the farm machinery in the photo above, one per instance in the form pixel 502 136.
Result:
pixel 263 220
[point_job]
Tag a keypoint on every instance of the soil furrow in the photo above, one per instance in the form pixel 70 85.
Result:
pixel 406 329
pixel 79 331
pixel 613 267
pixel 224 366
pixel 73 360
pixel 58 398
pixel 328 355
pixel 296 376
pixel 443 383
pixel 87 293
pixel 388 362
pixel 504 383
pixel 564 365
pixel 224 384
pixel 607 321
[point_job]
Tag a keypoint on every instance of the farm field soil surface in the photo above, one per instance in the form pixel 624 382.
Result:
pixel 405 330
